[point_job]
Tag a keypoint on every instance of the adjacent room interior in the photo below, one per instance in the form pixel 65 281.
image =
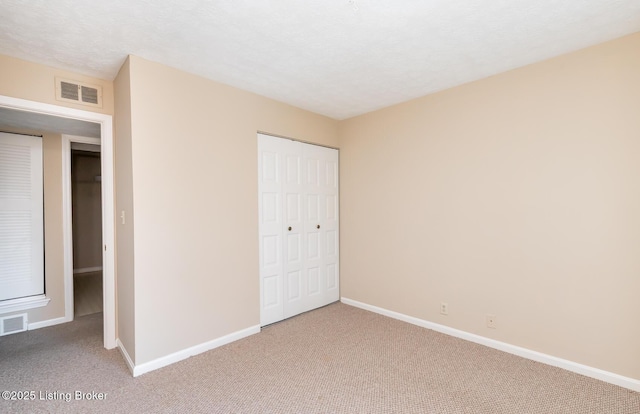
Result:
pixel 86 208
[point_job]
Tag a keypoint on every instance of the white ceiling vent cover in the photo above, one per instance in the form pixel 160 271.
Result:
pixel 13 324
pixel 78 92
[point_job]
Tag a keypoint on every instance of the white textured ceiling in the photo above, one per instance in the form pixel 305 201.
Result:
pixel 339 58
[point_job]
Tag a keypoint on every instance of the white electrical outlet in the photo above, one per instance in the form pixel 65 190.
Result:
pixel 444 308
pixel 491 321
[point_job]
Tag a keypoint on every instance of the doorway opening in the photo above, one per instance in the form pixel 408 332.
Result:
pixel 86 223
pixel 17 112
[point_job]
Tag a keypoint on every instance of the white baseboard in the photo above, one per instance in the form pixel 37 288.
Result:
pixel 189 352
pixel 87 270
pixel 48 322
pixel 125 355
pixel 610 377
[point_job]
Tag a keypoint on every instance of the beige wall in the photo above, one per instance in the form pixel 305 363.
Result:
pixel 34 82
pixel 517 195
pixel 53 239
pixel 26 80
pixel 195 207
pixel 125 283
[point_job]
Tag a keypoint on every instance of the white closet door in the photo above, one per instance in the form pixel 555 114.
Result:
pixel 21 217
pixel 270 184
pixel 298 193
pixel 314 231
pixel 321 225
pixel 329 187
pixel 295 284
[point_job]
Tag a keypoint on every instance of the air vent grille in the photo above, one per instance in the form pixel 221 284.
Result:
pixel 78 92
pixel 13 324
pixel 69 91
pixel 89 95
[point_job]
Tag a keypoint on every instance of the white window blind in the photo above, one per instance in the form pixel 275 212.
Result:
pixel 21 217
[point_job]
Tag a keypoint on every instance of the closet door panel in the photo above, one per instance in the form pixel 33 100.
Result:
pixel 330 219
pixel 314 266
pixel 294 218
pixel 270 180
pixel 332 278
pixel 294 280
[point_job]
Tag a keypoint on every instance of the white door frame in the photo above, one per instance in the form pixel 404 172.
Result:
pixel 67 219
pixel 108 198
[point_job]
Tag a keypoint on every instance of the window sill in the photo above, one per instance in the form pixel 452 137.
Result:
pixel 15 305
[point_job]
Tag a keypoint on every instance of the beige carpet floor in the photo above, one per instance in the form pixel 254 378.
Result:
pixel 337 359
pixel 87 293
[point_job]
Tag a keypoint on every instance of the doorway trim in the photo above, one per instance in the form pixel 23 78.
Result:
pixel 108 198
